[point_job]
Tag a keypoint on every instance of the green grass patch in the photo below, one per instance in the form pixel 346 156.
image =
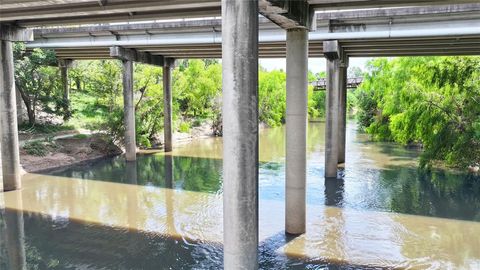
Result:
pixel 43 128
pixel 80 136
pixel 36 148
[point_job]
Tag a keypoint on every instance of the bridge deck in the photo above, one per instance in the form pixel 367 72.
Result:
pixel 440 30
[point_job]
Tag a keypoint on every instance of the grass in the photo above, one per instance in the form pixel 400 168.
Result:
pixel 36 148
pixel 80 136
pixel 87 113
pixel 43 128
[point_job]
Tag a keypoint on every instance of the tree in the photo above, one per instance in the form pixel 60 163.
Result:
pixel 431 101
pixel 37 80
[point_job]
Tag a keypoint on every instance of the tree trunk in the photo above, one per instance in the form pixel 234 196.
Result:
pixel 28 105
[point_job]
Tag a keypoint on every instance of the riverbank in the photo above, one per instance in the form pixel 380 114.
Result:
pixel 43 152
pixel 45 155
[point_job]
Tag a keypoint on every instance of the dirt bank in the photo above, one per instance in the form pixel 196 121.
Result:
pixel 68 151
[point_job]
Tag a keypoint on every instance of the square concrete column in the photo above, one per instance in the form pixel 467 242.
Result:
pixel 129 111
pixel 342 111
pixel 240 133
pixel 296 130
pixel 332 118
pixel 8 120
pixel 167 104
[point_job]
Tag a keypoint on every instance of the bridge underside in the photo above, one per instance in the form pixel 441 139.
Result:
pixel 354 48
pixel 439 30
pixel 341 29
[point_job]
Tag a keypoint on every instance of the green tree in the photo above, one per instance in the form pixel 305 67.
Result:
pixel 432 101
pixel 37 80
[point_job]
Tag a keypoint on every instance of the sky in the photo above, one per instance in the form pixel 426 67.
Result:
pixel 314 64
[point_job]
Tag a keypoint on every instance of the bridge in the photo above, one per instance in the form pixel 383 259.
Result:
pixel 158 32
pixel 321 84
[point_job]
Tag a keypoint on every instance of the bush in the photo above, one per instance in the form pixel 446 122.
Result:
pixel 36 148
pixel 184 127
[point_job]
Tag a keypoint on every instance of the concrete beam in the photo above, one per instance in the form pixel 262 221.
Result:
pixel 288 14
pixel 13 33
pixel 136 56
pixel 400 12
pixel 331 49
pixel 296 131
pixel 65 63
pixel 240 133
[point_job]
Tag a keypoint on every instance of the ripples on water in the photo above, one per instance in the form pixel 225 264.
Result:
pixel 383 213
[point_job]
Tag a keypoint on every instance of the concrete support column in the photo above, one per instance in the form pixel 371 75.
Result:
pixel 167 105
pixel 296 130
pixel 66 90
pixel 19 107
pixel 332 119
pixel 342 112
pixel 8 120
pixel 129 111
pixel 240 133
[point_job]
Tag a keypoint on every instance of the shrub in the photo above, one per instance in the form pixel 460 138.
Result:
pixel 36 148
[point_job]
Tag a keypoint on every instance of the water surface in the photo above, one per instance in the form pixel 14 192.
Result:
pixel 165 211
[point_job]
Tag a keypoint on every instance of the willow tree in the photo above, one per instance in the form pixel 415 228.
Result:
pixel 430 101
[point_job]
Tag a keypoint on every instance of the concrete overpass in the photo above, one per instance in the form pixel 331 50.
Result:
pixel 341 30
pixel 440 30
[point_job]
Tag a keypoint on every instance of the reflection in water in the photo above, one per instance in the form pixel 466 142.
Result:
pixel 165 210
pixel 334 189
pixel 12 240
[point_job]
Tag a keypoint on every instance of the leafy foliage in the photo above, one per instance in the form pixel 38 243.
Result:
pixel 38 81
pixel 432 101
pixel 36 148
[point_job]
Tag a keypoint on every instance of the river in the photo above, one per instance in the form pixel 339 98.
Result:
pixel 165 211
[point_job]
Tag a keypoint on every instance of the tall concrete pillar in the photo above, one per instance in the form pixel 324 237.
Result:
pixel 8 120
pixel 296 130
pixel 19 107
pixel 167 104
pixel 240 133
pixel 342 112
pixel 66 88
pixel 129 111
pixel 332 119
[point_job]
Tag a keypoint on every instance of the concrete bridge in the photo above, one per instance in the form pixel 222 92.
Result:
pixel 321 84
pixel 338 30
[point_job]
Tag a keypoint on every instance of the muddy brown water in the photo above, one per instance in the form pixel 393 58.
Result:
pixel 165 212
